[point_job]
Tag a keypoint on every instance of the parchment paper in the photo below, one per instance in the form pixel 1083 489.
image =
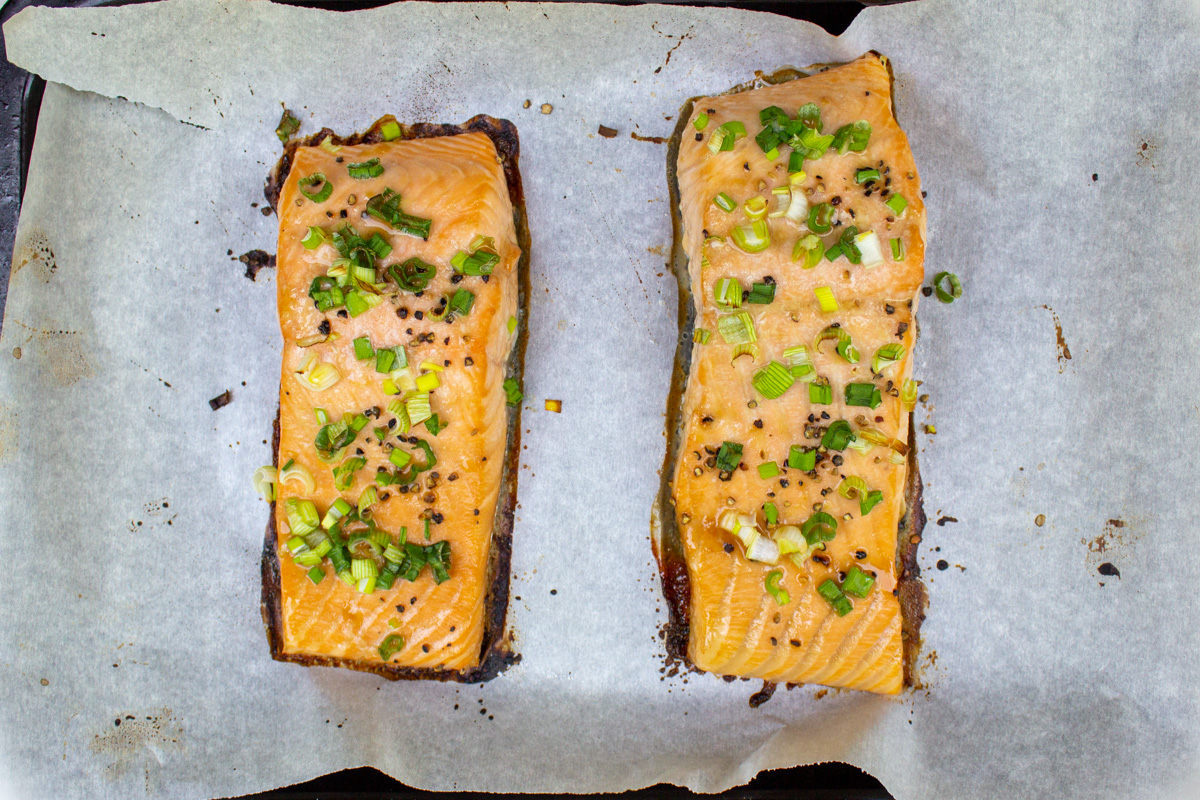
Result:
pixel 1055 142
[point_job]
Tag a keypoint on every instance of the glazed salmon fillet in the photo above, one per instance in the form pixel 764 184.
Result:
pixel 789 483
pixel 397 296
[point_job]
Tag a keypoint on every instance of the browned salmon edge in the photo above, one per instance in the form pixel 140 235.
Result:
pixel 668 546
pixel 496 655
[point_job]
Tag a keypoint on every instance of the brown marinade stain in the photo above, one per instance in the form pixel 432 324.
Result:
pixel 256 260
pixel 763 695
pixel 496 655
pixel 607 132
pixel 1064 352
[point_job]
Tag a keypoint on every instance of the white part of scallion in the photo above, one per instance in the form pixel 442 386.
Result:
pixel 264 480
pixel 871 249
pixel 297 472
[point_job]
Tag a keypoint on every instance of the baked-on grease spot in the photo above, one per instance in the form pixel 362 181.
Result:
pixel 651 139
pixel 35 251
pixel 943 520
pixel 942 564
pixel 256 260
pixel 607 132
pixel 1145 153
pixel 16 353
pixel 1064 352
pixel 8 432
pixel 64 353
pixel 1039 520
pixel 138 741
pixel 1108 569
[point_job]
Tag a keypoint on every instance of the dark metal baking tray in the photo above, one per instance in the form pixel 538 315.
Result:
pixel 21 96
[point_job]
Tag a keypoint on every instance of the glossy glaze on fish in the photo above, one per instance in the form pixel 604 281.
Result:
pixel 464 180
pixel 735 624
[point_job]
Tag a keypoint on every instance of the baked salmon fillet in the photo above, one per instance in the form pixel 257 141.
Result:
pixel 398 292
pixel 789 477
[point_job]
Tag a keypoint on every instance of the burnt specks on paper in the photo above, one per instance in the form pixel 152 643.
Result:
pixel 221 400
pixel 256 260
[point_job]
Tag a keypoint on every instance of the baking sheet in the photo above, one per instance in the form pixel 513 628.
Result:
pixel 1052 142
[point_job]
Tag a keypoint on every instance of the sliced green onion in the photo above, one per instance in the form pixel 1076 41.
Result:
pixel 343 474
pixel 390 387
pixel 811 247
pixel 315 187
pixel 753 238
pixel 745 349
pixel 363 349
pixel 801 365
pixel 845 347
pixel 512 391
pixel 314 238
pixel 772 154
pixel 389 130
pixel 434 425
pixel 385 207
pixel 853 137
pixel 512 324
pixel 295 472
pixel 858 582
pixel 820 218
pixel 339 509
pixel 366 169
pixel 755 207
pixel 863 175
pixel 885 356
pixel 356 304
pixel 413 275
pixel 368 498
pixel 773 380
pixel 737 328
pixel 820 527
pixel 322 415
pixel 723 138
pixel 428 382
pixel 418 409
pixel 761 294
pixel 849 244
pixel 728 293
pixel 301 516
pixel 701 335
pixel 872 499
pixel 462 301
pixel 385 360
pixel 820 393
pixel 479 262
pixel 287 126
pixel 908 394
pixel 948 287
pixel 321 377
pixel 826 299
pixel 701 121
pixel 316 575
pixel 870 251
pixel 774 589
pixel 830 591
pixel 802 458
pixel 264 480
pixel 852 487
pixel 387 576
pixel 897 249
pixel 837 436
pixel 724 202
pixel 769 509
pixel 863 394
pixel 729 456
pixel 897 204
pixel 332 438
pixel 328 146
pixel 835 252
pixel 363 568
pixel 393 554
pixel 783 201
pixel 768 470
pixel 379 246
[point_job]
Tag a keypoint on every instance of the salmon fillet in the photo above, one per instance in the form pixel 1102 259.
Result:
pixel 737 526
pixel 435 530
